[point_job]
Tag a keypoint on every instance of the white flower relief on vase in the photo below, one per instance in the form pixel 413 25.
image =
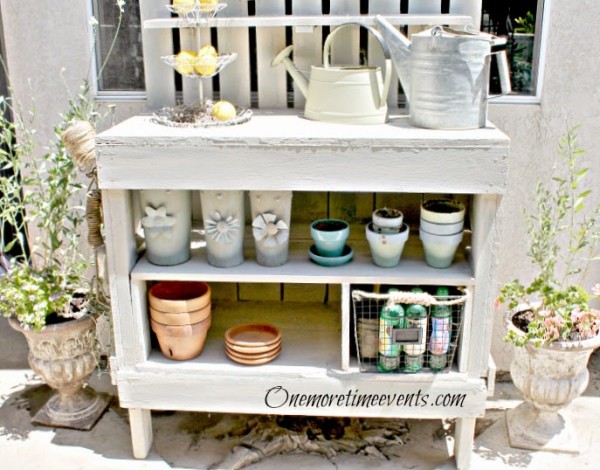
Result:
pixel 269 230
pixel 157 222
pixel 222 229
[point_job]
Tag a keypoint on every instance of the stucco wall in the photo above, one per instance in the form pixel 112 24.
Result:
pixel 43 36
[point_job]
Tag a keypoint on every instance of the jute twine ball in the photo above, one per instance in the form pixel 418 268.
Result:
pixel 79 139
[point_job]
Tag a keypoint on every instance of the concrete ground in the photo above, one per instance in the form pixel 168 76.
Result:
pixel 179 441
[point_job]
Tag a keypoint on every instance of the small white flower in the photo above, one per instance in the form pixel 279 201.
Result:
pixel 271 231
pixel 93 22
pixel 121 5
pixel 157 222
pixel 221 229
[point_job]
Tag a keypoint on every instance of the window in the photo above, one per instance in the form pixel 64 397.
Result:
pixel 124 71
pixel 520 21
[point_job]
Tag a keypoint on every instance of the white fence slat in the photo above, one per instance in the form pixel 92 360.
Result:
pixel 235 78
pixel 345 49
pixel 423 6
pixel 383 7
pixel 468 7
pixel 160 78
pixel 272 84
pixel 307 46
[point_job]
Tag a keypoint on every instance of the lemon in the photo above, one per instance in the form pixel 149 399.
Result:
pixel 208 49
pixel 206 64
pixel 208 5
pixel 223 111
pixel 184 6
pixel 184 62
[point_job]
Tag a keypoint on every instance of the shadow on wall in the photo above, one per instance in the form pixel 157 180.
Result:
pixel 13 347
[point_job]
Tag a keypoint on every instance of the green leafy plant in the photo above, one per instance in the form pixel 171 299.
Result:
pixel 562 242
pixel 46 280
pixel 525 24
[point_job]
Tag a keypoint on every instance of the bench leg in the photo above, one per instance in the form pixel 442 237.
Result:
pixel 464 435
pixel 140 423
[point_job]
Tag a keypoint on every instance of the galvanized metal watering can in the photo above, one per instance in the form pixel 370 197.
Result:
pixel 344 94
pixel 445 74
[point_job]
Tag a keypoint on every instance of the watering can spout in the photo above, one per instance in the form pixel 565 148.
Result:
pixel 284 58
pixel 399 47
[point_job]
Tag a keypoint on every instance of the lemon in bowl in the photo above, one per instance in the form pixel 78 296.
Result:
pixel 206 61
pixel 185 61
pixel 183 7
pixel 223 111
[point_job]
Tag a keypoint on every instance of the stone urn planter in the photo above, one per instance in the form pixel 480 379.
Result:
pixel 167 224
pixel 550 378
pixel 65 355
pixel 223 215
pixel 271 213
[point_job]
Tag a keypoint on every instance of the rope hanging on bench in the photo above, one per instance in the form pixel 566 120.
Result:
pixel 420 298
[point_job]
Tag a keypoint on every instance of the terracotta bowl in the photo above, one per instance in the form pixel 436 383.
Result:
pixel 179 296
pixel 181 342
pixel 253 335
pixel 183 318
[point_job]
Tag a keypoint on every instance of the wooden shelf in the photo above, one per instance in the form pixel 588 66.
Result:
pixel 299 269
pixel 392 157
pixel 320 20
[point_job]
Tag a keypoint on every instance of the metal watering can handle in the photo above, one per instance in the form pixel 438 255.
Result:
pixel 386 54
pixel 503 72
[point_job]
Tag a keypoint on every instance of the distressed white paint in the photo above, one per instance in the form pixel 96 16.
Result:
pixel 463 442
pixel 272 83
pixel 140 424
pixel 347 334
pixel 412 160
pixel 160 78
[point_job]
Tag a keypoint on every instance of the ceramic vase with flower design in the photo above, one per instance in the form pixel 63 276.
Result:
pixel 223 216
pixel 167 224
pixel 271 212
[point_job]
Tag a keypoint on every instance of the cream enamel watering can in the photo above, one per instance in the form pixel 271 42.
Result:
pixel 343 94
pixel 445 74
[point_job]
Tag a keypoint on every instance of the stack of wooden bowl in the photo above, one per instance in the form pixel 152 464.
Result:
pixel 180 314
pixel 253 344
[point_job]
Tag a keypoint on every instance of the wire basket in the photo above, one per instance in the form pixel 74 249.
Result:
pixel 189 68
pixel 197 115
pixel 198 13
pixel 391 339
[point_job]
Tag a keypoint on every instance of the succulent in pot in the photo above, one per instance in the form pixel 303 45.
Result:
pixel 550 320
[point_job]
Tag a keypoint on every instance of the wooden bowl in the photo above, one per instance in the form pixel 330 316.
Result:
pixel 253 335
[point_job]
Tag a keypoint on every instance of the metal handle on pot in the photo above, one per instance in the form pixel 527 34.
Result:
pixel 503 72
pixel 386 54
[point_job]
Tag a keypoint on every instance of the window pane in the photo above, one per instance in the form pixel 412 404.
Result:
pixel 124 70
pixel 516 20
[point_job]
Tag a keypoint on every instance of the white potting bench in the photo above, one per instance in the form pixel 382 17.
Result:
pixel 279 150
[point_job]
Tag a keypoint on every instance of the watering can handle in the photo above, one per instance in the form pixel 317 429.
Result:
pixel 503 72
pixel 386 54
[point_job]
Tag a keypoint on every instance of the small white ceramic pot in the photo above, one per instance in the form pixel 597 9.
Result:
pixel 223 215
pixel 387 220
pixel 442 211
pixel 330 236
pixel 271 214
pixel 167 223
pixel 386 248
pixel 440 249
pixel 441 229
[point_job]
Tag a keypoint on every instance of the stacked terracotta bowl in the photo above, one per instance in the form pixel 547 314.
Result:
pixel 253 344
pixel 180 314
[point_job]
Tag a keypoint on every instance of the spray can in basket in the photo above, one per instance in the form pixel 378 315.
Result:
pixel 416 317
pixel 391 316
pixel 441 325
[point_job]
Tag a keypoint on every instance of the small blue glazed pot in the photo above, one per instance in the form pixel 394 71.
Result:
pixel 329 236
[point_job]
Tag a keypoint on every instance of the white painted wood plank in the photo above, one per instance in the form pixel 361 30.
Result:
pixel 272 81
pixel 121 256
pixel 234 80
pixel 465 335
pixel 347 334
pixel 159 77
pixel 424 6
pixel 464 435
pixel 140 423
pixel 299 269
pixel 413 160
pixel 385 8
pixel 346 45
pixel 307 43
pixel 141 323
pixel 470 8
pixel 485 242
pixel 302 19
